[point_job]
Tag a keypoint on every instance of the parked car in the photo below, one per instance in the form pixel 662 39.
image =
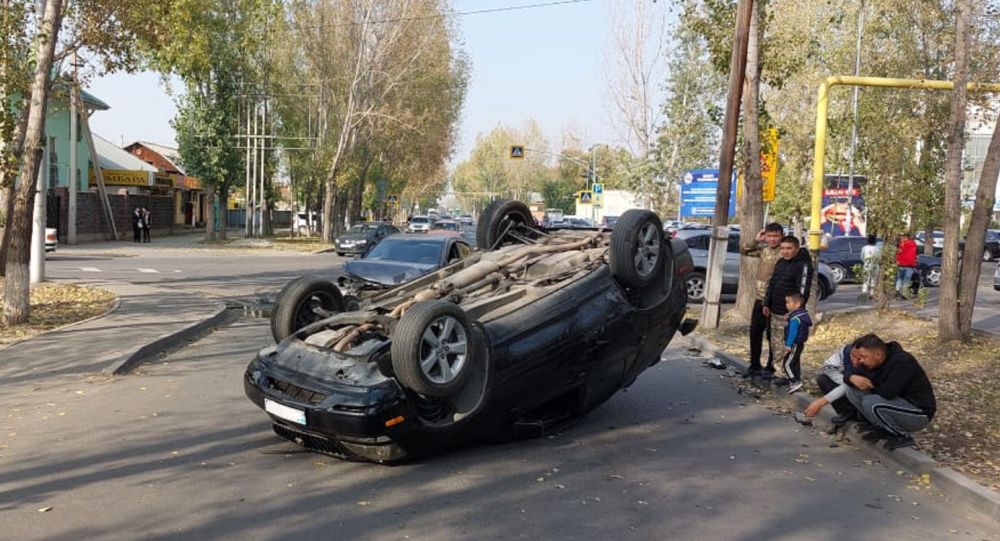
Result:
pixel 513 342
pixel 363 237
pixel 991 245
pixel 697 242
pixel 608 222
pixel 447 228
pixel 51 239
pixel 465 220
pixel 419 224
pixel 936 236
pixel 843 254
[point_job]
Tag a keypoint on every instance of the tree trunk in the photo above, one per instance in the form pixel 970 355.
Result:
pixel 751 207
pixel 7 197
pixel 329 201
pixel 224 209
pixel 928 239
pixel 16 290
pixel 948 326
pixel 972 260
pixel 210 216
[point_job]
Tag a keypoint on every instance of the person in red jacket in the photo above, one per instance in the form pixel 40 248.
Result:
pixel 906 263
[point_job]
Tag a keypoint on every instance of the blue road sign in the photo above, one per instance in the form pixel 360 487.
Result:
pixel 598 188
pixel 698 189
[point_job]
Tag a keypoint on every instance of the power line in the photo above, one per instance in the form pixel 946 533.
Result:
pixel 445 15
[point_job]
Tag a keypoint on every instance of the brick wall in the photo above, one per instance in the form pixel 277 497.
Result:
pixel 90 221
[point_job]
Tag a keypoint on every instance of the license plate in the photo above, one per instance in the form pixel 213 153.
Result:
pixel 285 412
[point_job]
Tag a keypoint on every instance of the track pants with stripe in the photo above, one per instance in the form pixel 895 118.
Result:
pixel 897 416
pixel 791 363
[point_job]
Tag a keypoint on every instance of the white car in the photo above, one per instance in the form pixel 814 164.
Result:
pixel 419 224
pixel 51 239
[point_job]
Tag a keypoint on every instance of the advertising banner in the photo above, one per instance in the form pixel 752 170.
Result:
pixel 843 211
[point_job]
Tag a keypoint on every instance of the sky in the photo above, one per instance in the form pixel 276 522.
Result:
pixel 544 63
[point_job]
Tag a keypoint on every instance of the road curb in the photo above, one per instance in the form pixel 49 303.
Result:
pixel 950 482
pixel 125 363
pixel 114 306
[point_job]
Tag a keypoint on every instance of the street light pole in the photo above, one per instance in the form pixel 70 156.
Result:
pixel 854 123
pixel 720 231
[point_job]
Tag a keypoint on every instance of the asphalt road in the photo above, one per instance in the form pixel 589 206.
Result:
pixel 177 452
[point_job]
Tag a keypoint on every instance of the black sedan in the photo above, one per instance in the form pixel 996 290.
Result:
pixel 843 255
pixel 362 237
pixel 516 341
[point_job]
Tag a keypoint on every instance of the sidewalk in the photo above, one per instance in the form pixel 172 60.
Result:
pixel 145 314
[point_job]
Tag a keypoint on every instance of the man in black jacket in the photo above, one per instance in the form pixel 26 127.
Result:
pixel 892 392
pixel 792 274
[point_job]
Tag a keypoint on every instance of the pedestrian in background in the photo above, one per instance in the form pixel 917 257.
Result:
pixel 137 225
pixel 792 274
pixel 767 250
pixel 147 222
pixel 870 256
pixel 906 264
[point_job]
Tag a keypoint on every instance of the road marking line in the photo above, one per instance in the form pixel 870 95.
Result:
pixel 148 270
pixel 90 269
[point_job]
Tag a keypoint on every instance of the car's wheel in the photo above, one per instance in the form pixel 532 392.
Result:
pixel 499 217
pixel 431 353
pixel 987 255
pixel 824 288
pixel 932 277
pixel 838 271
pixel 695 284
pixel 304 301
pixel 638 249
pixel 341 254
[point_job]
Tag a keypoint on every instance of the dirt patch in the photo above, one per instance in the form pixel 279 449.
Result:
pixel 57 305
pixel 965 433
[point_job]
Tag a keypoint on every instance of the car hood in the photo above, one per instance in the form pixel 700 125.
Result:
pixel 386 272
pixel 354 236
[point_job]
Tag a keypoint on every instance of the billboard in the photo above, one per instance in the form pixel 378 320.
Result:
pixel 698 189
pixel 843 211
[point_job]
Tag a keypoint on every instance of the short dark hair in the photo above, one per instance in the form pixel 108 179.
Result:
pixel 774 227
pixel 796 296
pixel 871 341
pixel 791 239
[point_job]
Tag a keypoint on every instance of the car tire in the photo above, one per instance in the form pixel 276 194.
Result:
pixel 694 285
pixel 932 277
pixel 431 350
pixel 638 249
pixel 839 272
pixel 824 288
pixel 341 254
pixel 987 255
pixel 298 302
pixel 498 216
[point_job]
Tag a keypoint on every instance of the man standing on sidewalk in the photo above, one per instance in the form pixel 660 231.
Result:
pixel 768 243
pixel 892 392
pixel 906 264
pixel 792 274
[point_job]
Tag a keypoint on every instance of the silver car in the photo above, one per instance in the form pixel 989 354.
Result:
pixel 697 241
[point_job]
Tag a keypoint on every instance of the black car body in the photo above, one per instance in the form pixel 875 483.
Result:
pixel 843 255
pixel 549 329
pixel 362 237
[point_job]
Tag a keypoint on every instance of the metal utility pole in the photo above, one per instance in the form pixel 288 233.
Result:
pixel 720 231
pixel 73 160
pixel 246 169
pixel 252 195
pixel 854 122
pixel 259 204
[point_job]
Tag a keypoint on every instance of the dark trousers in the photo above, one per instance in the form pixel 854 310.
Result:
pixel 145 234
pixel 841 405
pixel 759 325
pixel 136 233
pixel 791 364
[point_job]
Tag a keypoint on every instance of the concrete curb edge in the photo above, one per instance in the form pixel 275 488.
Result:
pixel 122 364
pixel 948 481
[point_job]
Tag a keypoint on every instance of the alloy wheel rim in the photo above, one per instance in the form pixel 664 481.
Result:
pixel 443 350
pixel 647 250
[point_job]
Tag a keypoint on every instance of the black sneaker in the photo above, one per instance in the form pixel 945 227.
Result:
pixel 780 381
pixel 875 435
pixel 865 426
pixel 898 442
pixel 843 418
pixel 751 372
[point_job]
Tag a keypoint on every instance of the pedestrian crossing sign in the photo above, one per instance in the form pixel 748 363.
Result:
pixel 586 197
pixel 393 199
pixel 517 152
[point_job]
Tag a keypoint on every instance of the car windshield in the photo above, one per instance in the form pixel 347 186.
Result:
pixel 407 251
pixel 419 220
pixel 361 228
pixel 447 226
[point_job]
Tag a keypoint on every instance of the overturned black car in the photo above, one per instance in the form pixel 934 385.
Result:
pixel 515 340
